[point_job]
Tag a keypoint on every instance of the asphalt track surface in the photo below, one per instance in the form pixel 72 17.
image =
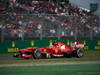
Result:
pixel 2 58
pixel 9 58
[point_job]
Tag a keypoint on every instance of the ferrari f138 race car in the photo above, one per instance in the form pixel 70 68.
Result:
pixel 58 49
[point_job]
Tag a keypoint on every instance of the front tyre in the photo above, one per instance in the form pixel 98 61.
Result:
pixel 37 54
pixel 79 53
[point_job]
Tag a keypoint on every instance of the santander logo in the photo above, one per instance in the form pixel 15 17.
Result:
pixel 80 45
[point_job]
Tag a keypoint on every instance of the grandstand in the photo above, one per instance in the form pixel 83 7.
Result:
pixel 49 19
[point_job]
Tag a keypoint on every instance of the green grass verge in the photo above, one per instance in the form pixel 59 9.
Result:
pixel 64 69
pixel 77 69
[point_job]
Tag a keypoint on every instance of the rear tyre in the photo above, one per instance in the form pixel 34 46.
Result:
pixel 79 53
pixel 37 54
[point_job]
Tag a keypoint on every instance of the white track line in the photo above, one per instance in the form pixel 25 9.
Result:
pixel 52 63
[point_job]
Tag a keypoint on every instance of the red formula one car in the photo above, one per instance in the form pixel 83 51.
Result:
pixel 58 49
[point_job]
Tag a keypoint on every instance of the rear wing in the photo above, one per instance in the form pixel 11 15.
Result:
pixel 77 44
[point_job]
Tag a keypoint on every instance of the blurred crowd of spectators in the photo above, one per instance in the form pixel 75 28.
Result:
pixel 48 17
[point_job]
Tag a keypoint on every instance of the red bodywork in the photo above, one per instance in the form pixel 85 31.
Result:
pixel 57 49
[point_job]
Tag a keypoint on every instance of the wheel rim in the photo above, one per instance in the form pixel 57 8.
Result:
pixel 80 53
pixel 37 54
